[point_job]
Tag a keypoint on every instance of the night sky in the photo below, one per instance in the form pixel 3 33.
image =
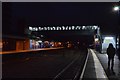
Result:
pixel 17 16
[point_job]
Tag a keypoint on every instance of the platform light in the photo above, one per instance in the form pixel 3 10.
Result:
pixel 95 27
pixel 69 28
pixel 66 28
pixel 108 37
pixel 116 8
pixel 63 27
pixel 53 28
pixel 36 29
pixel 45 28
pixel 78 28
pixel 40 41
pixel 30 28
pixel 40 28
pixel 48 28
pixel 83 27
pixel 73 27
pixel 96 39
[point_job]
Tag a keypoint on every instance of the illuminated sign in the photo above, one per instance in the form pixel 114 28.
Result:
pixel 63 28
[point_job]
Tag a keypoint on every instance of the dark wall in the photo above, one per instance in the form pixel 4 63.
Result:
pixel 9 44
pixel 12 24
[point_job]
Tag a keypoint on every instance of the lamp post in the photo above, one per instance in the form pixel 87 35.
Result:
pixel 117 9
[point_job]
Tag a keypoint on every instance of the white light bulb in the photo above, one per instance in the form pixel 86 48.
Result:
pixel 116 8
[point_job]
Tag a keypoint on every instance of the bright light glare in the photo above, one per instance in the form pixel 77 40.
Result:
pixel 116 8
pixel 95 27
pixel 30 28
pixel 108 37
pixel 40 41
pixel 96 39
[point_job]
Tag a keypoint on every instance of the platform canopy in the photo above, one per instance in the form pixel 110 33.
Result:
pixel 63 32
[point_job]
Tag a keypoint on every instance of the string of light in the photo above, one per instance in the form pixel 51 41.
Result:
pixel 43 28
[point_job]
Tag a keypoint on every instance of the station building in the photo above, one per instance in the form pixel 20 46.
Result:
pixel 55 36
